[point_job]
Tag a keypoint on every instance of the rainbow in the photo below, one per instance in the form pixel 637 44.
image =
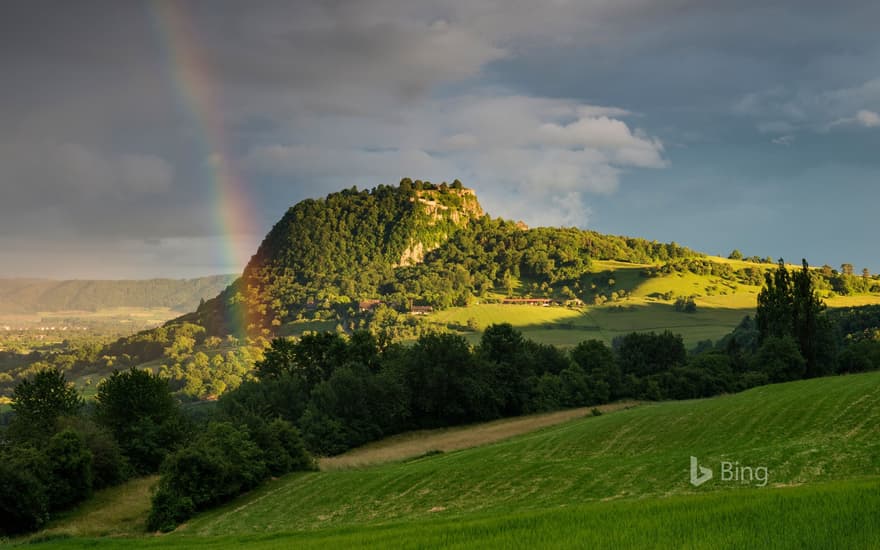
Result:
pixel 190 73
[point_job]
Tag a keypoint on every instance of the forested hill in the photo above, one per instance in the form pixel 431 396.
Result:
pixel 20 296
pixel 416 243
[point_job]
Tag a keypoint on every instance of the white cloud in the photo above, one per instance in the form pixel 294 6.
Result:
pixel 530 158
pixel 867 118
pixel 783 140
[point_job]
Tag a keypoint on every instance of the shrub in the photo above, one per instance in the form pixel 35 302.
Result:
pixel 70 466
pixel 220 464
pixel 109 467
pixel 24 498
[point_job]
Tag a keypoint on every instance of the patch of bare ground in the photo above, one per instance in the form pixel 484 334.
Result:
pixel 417 443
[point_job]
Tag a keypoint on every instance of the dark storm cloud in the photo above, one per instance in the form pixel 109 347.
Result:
pixel 579 107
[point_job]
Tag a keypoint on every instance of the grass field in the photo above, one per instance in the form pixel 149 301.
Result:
pixel 831 515
pixel 803 432
pixel 616 480
pixel 566 327
pixel 721 305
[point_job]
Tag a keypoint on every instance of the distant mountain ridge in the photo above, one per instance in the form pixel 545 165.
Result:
pixel 22 296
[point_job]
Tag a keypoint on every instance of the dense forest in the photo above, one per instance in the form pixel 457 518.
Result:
pixel 41 295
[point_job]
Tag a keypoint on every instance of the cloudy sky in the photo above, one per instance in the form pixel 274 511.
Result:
pixel 719 125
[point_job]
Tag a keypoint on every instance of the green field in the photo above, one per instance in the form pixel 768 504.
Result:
pixel 721 305
pixel 834 515
pixel 620 479
pixel 566 327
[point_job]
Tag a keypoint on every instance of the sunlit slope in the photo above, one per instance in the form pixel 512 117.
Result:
pixel 646 304
pixel 803 432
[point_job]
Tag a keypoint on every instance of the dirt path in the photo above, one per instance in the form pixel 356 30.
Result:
pixel 411 444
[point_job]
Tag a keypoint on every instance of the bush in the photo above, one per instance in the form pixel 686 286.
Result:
pixel 109 467
pixel 221 463
pixel 282 445
pixel 70 466
pixel 24 498
pixel 169 510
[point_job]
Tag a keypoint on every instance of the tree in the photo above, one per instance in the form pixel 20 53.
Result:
pixel 788 307
pixel 24 499
pixel 70 464
pixel 597 359
pixel 39 402
pixel 780 358
pixel 806 322
pixel 447 385
pixel 644 354
pixel 278 359
pixel 735 255
pixel 775 304
pixel 138 408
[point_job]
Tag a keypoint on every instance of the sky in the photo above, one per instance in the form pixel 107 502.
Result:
pixel 163 139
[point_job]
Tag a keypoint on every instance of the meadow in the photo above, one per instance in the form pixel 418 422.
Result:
pixel 619 479
pixel 644 307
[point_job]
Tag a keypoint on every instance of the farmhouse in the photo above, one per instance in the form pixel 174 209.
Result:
pixel 528 301
pixel 420 310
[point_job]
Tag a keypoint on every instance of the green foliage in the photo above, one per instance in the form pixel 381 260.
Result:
pixel 39 402
pixel 108 466
pixel 643 354
pixel 788 306
pixel 781 359
pixel 446 385
pixel 685 304
pixel 138 408
pixel 24 496
pixel 70 467
pixel 222 462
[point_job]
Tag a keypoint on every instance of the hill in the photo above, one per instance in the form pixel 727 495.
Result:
pixel 555 487
pixel 21 296
pixel 333 262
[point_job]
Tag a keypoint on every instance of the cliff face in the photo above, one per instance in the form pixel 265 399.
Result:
pixel 441 213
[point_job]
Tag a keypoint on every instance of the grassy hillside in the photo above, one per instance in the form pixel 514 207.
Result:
pixel 647 305
pixel 816 430
pixel 580 482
